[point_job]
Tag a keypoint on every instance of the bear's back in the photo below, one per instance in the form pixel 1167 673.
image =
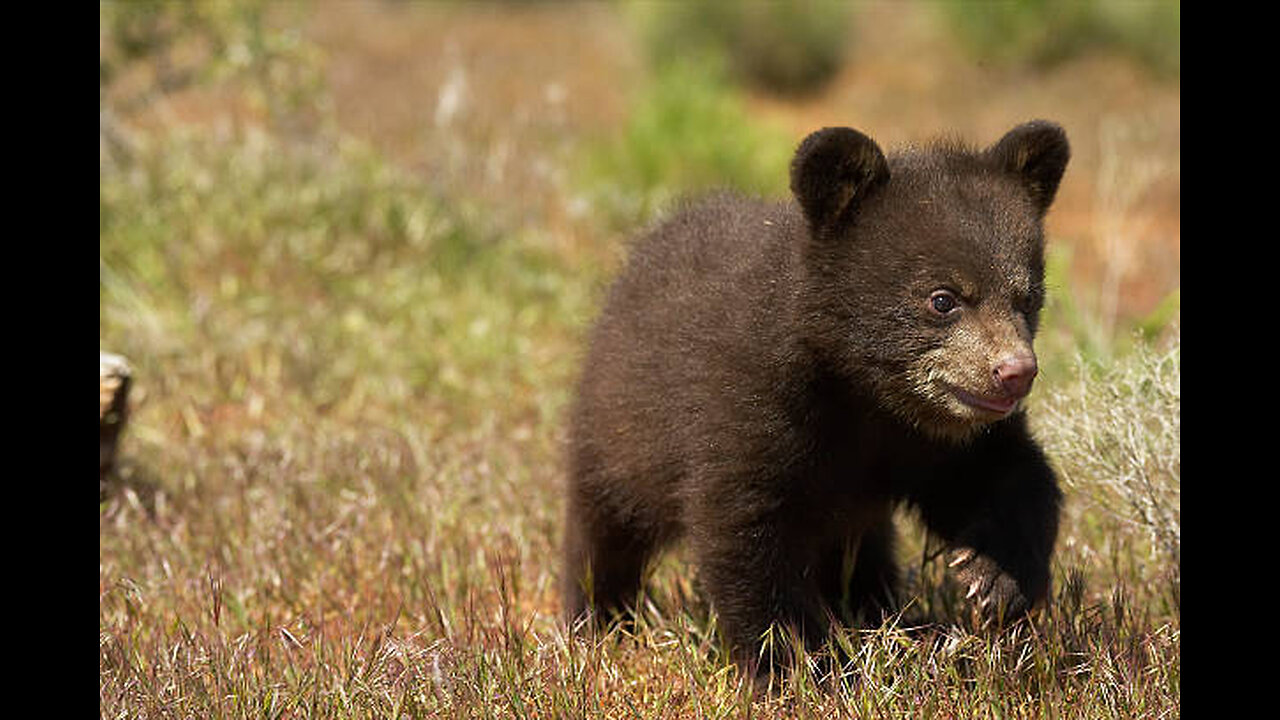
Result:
pixel 702 305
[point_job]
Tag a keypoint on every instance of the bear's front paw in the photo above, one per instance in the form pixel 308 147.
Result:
pixel 996 596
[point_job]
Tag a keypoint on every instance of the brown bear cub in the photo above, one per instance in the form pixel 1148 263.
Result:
pixel 768 380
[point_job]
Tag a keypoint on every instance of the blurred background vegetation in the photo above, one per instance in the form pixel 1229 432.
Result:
pixel 689 96
pixel 351 250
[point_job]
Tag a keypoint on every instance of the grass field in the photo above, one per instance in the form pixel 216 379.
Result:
pixel 351 251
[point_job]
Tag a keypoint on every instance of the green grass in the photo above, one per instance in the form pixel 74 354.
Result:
pixel 684 136
pixel 340 493
pixel 784 47
pixel 1044 33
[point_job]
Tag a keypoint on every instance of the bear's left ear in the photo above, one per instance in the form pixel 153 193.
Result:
pixel 833 171
pixel 1037 152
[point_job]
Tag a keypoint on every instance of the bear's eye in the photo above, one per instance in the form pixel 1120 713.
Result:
pixel 943 302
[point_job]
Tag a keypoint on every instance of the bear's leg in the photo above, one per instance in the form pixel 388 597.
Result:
pixel 755 579
pixel 999 512
pixel 604 563
pixel 869 596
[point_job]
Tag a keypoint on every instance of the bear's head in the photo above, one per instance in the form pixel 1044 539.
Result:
pixel 925 270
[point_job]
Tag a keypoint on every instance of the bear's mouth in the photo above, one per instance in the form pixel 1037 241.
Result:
pixel 1000 405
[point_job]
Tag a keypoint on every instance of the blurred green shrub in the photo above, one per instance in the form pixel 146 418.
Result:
pixel 1044 32
pixel 1072 323
pixel 688 132
pixel 152 48
pixel 320 271
pixel 276 255
pixel 783 46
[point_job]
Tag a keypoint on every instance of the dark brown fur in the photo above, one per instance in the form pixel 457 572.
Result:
pixel 769 380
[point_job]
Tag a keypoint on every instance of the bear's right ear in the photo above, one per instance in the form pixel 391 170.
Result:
pixel 833 171
pixel 1037 153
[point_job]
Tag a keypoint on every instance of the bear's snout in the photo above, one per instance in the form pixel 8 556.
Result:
pixel 1015 373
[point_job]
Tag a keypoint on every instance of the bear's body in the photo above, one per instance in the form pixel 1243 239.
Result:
pixel 769 380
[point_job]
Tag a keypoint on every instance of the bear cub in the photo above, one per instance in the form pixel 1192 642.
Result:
pixel 769 380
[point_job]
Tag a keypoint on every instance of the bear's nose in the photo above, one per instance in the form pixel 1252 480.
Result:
pixel 1015 373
